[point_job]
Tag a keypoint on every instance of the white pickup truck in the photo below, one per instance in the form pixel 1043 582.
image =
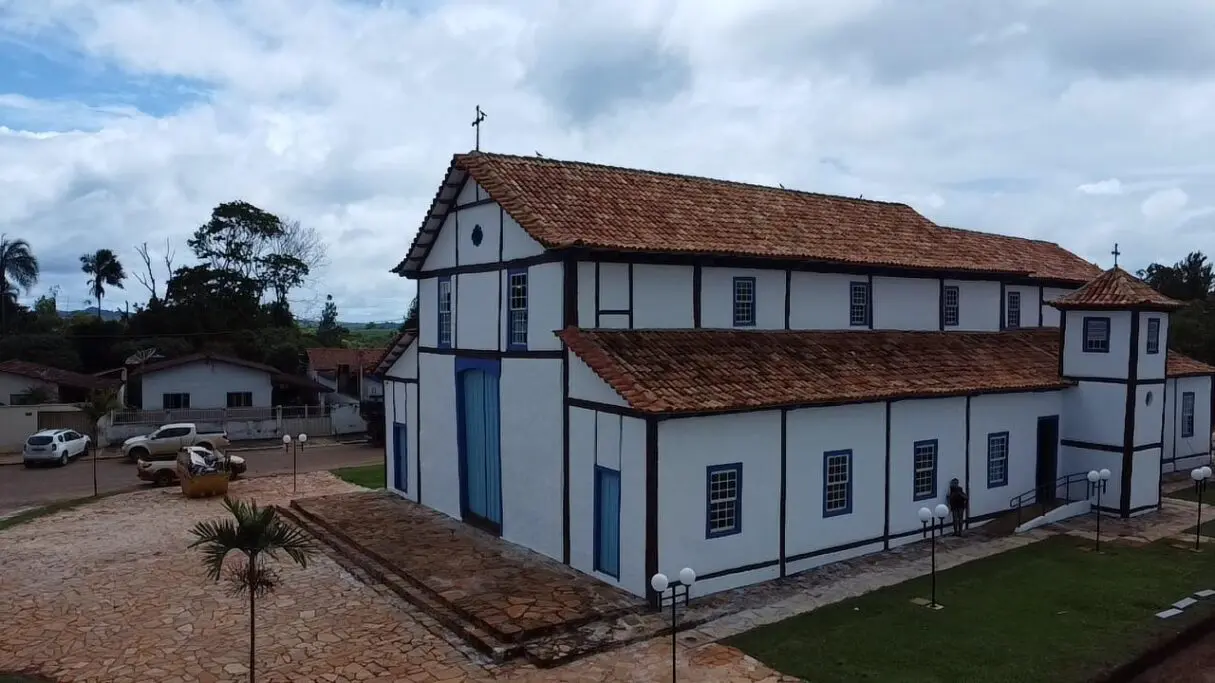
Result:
pixel 171 438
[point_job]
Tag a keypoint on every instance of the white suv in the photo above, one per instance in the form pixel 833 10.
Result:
pixel 51 446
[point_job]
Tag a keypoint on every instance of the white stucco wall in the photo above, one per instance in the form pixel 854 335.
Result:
pixel 17 384
pixel 516 243
pixel 717 297
pixel 488 216
pixel 586 385
pixel 475 306
pixel 811 433
pixel 544 307
pixel 1095 413
pixel 207 384
pixel 440 468
pixel 978 305
pixel 1018 415
pixel 942 419
pixel 820 301
pixel 662 297
pixel 901 303
pixel 686 448
pixel 617 443
pixel 1077 363
pixel 501 235
pixel 1188 449
pixel 428 311
pixel 531 451
pixel 442 252
pixel 1029 304
pixel 1152 365
pixel 1050 314
pixel 400 405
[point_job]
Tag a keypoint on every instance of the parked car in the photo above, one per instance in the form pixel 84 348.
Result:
pixel 54 446
pixel 161 469
pixel 170 438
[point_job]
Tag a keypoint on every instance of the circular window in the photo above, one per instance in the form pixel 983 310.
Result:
pixel 477 235
pixel 1148 398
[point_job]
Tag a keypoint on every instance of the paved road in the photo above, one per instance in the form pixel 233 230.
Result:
pixel 21 487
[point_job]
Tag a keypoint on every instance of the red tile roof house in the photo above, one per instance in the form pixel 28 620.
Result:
pixel 349 372
pixel 752 381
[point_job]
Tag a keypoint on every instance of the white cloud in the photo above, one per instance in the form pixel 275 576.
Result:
pixel 344 114
pixel 1111 186
pixel 1164 204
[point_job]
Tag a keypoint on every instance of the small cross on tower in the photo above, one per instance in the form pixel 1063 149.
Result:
pixel 1116 254
pixel 477 125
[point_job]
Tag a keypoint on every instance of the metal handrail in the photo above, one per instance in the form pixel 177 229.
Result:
pixel 1065 482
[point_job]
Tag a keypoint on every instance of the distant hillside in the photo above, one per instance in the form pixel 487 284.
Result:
pixel 389 325
pixel 91 312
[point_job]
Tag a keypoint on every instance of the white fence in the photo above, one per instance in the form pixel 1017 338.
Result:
pixel 241 424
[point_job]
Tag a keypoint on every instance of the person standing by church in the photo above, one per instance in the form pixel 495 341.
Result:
pixel 958 502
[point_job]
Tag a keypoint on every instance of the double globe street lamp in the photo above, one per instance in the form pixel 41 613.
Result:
pixel 1097 480
pixel 660 583
pixel 926 518
pixel 299 445
pixel 1200 475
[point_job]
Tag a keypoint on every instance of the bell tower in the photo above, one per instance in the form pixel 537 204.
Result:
pixel 1113 343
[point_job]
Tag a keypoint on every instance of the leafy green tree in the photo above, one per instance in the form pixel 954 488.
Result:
pixel 257 534
pixel 104 270
pixel 1190 279
pixel 328 331
pixel 411 316
pixel 18 270
pixel 47 349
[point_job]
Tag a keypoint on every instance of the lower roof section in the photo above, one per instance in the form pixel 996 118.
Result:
pixel 706 371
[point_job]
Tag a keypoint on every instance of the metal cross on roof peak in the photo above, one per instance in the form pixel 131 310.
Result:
pixel 1116 254
pixel 477 125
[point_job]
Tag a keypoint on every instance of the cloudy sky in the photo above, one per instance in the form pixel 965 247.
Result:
pixel 1086 122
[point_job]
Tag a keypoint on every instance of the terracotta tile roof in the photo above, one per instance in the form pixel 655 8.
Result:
pixel 56 376
pixel 676 371
pixel 326 359
pixel 704 371
pixel 564 204
pixel 1116 288
pixel 1184 366
pixel 201 358
pixel 395 349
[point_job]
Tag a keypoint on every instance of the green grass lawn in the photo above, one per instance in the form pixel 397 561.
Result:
pixel 367 476
pixel 1046 612
pixel 1188 493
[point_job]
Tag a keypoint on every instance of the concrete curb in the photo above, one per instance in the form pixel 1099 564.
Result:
pixel 12 460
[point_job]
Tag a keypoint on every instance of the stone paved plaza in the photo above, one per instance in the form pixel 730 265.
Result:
pixel 108 593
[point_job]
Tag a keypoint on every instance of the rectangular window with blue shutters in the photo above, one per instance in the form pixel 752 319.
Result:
pixel 607 521
pixel 1153 340
pixel 744 302
pixel 924 463
pixel 723 513
pixel 1096 334
pixel 837 483
pixel 400 460
pixel 1187 415
pixel 997 459
pixel 445 312
pixel 516 280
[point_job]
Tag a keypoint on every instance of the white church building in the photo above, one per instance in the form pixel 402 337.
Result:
pixel 634 372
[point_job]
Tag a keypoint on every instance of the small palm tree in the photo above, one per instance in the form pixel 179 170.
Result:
pixel 104 270
pixel 18 270
pixel 257 533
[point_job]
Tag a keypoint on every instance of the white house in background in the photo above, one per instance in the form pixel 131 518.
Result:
pixel 22 381
pixel 350 373
pixel 754 381
pixel 207 381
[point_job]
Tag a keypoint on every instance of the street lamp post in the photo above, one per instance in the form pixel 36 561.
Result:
pixel 930 526
pixel 1200 475
pixel 1096 483
pixel 660 583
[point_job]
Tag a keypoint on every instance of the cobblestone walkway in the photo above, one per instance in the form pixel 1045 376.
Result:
pixel 108 593
pixel 509 589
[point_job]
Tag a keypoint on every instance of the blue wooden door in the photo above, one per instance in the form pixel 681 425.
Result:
pixel 607 521
pixel 400 450
pixel 480 456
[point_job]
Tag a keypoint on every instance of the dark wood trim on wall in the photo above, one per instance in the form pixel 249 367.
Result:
pixel 630 296
pixel 788 296
pixel 569 317
pixel 872 299
pixel 501 233
pixel 1004 313
pixel 886 523
pixel 403 380
pixel 784 486
pixel 596 295
pixel 417 429
pixel 503 330
pixel 1041 304
pixel 696 287
pixel 966 452
pixel 1128 426
pixel 526 261
pixel 455 283
pixel 1062 339
pixel 941 307
pixel 469 205
pixel 623 411
pixel 613 311
pixel 651 506
pixel 492 354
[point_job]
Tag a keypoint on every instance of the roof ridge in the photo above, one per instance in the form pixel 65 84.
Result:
pixel 686 176
pixel 996 234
